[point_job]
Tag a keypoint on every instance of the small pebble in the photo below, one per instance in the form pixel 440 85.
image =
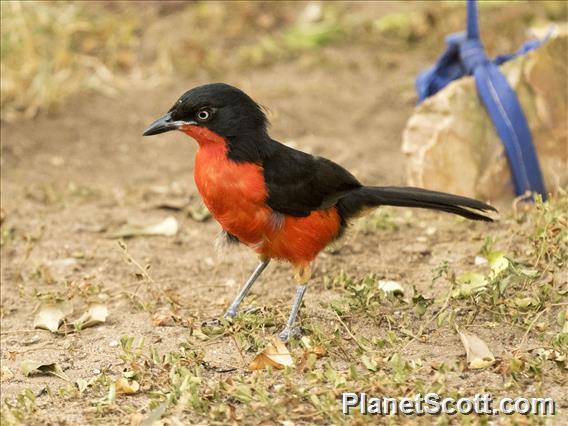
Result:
pixel 418 248
pixel 113 343
pixel 480 260
pixel 430 230
pixel 393 287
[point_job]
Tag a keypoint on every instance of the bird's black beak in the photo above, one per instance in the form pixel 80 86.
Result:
pixel 162 125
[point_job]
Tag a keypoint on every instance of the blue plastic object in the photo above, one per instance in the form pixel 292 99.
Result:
pixel 465 56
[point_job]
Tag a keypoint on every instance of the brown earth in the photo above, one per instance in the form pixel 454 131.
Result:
pixel 71 178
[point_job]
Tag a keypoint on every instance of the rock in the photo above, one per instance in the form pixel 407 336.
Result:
pixel 450 142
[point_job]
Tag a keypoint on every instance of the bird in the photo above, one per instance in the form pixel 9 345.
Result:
pixel 284 204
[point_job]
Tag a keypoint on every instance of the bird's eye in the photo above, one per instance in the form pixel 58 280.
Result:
pixel 203 115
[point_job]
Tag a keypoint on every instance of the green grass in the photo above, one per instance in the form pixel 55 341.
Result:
pixel 51 50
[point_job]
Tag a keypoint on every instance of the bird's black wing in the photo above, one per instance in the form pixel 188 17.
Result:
pixel 299 183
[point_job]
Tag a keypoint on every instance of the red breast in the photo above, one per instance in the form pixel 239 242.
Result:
pixel 236 195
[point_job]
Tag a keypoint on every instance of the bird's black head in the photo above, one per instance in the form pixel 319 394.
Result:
pixel 218 107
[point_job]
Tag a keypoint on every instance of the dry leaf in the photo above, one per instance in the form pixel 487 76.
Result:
pixel 50 316
pixel 168 227
pixel 126 387
pixel 97 314
pixel 30 367
pixel 275 354
pixel 163 320
pixel 318 351
pixel 477 353
pixel 6 374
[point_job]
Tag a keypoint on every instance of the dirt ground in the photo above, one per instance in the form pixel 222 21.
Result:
pixel 72 178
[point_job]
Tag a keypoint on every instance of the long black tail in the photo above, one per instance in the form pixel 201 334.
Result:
pixel 366 197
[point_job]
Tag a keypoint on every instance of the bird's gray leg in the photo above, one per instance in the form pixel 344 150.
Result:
pixel 289 330
pixel 303 275
pixel 231 312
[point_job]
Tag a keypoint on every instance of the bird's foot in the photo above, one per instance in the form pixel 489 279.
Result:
pixel 232 313
pixel 290 333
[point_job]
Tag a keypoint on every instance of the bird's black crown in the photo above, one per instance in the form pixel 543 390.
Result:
pixel 222 108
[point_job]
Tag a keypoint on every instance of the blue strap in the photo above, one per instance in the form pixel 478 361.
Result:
pixel 465 56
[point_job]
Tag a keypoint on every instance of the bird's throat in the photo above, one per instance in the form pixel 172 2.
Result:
pixel 203 135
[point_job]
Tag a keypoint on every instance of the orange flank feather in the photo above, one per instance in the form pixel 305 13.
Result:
pixel 302 238
pixel 236 195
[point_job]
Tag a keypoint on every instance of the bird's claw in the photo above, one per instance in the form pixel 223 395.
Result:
pixel 232 313
pixel 229 314
pixel 290 333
